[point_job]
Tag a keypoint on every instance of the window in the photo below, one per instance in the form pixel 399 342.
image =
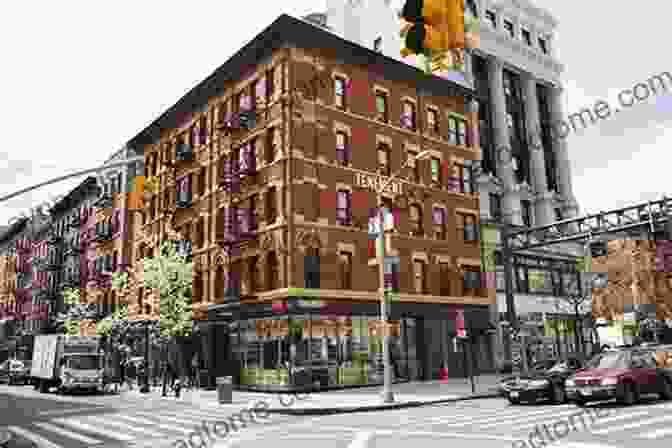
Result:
pixel 527 38
pixel 542 45
pixel 419 276
pixel 201 181
pixel 272 271
pixel 270 84
pixel 203 130
pixel 271 205
pixel 184 191
pixel 558 214
pixel 312 268
pixel 381 107
pixel 495 206
pixel 345 261
pixel 271 150
pixel 339 92
pixel 432 121
pixel 436 170
pixel 526 211
pixel 508 27
pixel 378 44
pixel 466 227
pixel 491 17
pixel 461 132
pixel 439 219
pixel 415 218
pixel 414 166
pixel 408 116
pixel 445 274
pixel 383 159
pixel 252 271
pixel 342 149
pixel 472 280
pixel 343 208
pixel 461 179
pixel 253 212
pixel 452 130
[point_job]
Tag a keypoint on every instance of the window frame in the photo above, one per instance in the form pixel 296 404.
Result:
pixel 491 18
pixel 416 227
pixel 413 125
pixel 340 100
pixel 509 28
pixel 433 123
pixel 526 36
pixel 347 220
pixel 440 228
pixel 419 276
pixel 342 154
pixel 345 269
pixel 383 116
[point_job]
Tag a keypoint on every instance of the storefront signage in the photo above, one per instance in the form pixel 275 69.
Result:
pixel 374 183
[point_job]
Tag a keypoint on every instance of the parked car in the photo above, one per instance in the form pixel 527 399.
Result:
pixel 506 383
pixel 14 371
pixel 542 384
pixel 625 375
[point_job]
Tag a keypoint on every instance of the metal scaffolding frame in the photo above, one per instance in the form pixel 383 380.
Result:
pixel 650 216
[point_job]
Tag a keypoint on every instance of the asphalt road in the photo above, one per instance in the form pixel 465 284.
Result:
pixel 110 421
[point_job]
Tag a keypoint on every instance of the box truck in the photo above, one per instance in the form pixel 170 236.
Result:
pixel 67 363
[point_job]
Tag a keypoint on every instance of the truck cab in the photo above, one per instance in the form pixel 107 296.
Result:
pixel 81 371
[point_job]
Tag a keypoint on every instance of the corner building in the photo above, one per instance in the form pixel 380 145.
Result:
pixel 269 168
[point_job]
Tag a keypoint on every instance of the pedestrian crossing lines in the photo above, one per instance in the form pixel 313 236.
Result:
pixel 130 426
pixel 649 421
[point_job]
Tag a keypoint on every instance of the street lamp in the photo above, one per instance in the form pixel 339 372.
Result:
pixel 388 397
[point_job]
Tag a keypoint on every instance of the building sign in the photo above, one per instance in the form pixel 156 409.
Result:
pixel 375 182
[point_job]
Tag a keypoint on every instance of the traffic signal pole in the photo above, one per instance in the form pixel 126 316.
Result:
pixel 510 299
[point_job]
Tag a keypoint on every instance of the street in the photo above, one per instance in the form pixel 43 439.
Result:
pixel 53 421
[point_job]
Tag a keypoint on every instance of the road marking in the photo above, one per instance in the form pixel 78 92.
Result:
pixel 144 421
pixel 402 432
pixel 66 433
pixel 70 410
pixel 618 417
pixel 637 424
pixel 109 422
pixel 39 441
pixel 163 416
pixel 361 440
pixel 94 429
pixel 567 417
pixel 525 418
pixel 655 434
pixel 508 416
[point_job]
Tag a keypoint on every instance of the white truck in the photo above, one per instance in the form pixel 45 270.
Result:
pixel 67 363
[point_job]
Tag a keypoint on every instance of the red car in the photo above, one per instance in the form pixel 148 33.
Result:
pixel 625 375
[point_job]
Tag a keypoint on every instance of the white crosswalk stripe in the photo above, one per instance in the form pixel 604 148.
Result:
pixel 64 432
pixel 35 438
pixel 637 424
pixel 74 423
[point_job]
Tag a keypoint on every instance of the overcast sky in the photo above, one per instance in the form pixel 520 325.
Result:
pixel 79 79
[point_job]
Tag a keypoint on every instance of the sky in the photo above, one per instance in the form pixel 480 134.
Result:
pixel 79 79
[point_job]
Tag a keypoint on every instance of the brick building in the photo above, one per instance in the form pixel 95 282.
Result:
pixel 266 173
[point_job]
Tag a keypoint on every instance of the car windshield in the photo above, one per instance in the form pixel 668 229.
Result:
pixel 609 360
pixel 84 362
pixel 559 367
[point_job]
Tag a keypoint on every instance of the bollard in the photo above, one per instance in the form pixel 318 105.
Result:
pixel 225 389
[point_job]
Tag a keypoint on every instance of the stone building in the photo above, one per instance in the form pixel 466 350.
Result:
pixel 266 173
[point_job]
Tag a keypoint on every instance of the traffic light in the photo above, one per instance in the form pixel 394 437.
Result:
pixel 432 26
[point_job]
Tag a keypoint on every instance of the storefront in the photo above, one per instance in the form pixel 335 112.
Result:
pixel 339 343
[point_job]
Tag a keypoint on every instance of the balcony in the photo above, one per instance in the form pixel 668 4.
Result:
pixel 184 153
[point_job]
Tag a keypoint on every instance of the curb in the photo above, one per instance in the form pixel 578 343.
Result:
pixel 379 407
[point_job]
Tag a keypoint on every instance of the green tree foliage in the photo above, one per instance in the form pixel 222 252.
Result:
pixel 76 312
pixel 172 276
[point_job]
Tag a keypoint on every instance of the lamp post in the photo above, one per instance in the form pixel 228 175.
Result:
pixel 388 396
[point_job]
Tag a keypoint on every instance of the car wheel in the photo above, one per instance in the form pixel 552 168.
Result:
pixel 666 391
pixel 629 396
pixel 559 396
pixel 580 402
pixel 514 401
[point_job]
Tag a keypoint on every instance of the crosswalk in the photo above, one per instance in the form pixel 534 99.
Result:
pixel 162 427
pixel 645 422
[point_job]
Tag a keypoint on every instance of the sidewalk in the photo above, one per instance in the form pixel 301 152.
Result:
pixel 362 399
